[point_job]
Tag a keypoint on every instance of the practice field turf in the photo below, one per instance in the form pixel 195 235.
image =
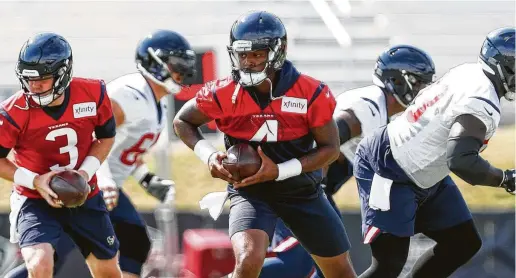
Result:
pixel 193 181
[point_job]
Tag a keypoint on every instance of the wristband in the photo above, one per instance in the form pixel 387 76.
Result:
pixel 90 165
pixel 204 149
pixel 289 169
pixel 24 177
pixel 503 179
pixel 140 172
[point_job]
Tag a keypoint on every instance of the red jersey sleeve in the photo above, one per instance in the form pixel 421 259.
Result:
pixel 9 130
pixel 207 101
pixel 321 107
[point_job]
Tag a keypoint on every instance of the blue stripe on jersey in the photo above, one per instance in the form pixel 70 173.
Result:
pixel 214 93
pixel 8 118
pixel 107 130
pixel 489 102
pixel 317 92
pixel 102 92
pixel 372 102
pixel 141 94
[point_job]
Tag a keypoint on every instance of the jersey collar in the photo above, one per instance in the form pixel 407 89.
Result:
pixel 287 78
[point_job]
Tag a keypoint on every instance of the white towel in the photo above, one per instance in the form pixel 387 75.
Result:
pixel 379 197
pixel 214 202
pixel 16 201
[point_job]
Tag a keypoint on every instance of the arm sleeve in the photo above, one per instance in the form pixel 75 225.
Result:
pixel 105 127
pixel 344 130
pixel 207 101
pixel 321 107
pixel 463 146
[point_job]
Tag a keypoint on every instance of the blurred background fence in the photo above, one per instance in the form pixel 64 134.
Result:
pixel 336 41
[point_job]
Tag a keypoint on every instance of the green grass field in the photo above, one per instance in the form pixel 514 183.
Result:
pixel 193 181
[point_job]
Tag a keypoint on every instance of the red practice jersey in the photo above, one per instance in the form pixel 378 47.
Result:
pixel 55 138
pixel 280 126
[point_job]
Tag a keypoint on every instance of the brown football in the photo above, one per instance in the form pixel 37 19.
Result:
pixel 71 188
pixel 242 161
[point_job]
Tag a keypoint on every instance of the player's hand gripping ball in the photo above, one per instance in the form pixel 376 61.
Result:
pixel 242 161
pixel 71 188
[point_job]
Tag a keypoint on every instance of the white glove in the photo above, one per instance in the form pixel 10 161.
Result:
pixel 110 193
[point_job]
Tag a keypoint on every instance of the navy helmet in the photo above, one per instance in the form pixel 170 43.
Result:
pixel 404 70
pixel 257 30
pixel 43 56
pixel 163 52
pixel 497 59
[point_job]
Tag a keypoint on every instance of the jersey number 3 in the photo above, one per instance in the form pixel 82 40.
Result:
pixel 70 148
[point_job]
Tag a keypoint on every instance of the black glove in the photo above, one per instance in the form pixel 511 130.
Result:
pixel 157 187
pixel 508 180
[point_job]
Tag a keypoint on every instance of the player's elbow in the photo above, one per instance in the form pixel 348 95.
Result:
pixel 333 153
pixel 179 125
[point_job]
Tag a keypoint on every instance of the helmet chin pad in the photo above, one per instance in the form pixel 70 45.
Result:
pixel 249 79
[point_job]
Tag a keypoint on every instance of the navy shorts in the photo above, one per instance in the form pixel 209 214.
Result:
pixel 314 222
pixel 412 209
pixel 88 225
pixel 125 212
pixel 132 233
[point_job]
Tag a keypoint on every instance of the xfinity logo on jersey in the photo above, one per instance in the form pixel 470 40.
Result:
pixel 294 105
pixel 86 109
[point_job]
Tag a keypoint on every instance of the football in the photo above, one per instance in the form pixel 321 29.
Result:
pixel 71 188
pixel 242 161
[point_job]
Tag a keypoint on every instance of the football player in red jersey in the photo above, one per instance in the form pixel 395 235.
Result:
pixel 268 104
pixel 56 123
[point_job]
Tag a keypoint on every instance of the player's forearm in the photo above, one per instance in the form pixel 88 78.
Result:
pixel 327 151
pixel 18 175
pixel 100 148
pixel 465 161
pixel 464 143
pixel 98 152
pixel 7 169
pixel 319 158
pixel 187 132
pixel 187 123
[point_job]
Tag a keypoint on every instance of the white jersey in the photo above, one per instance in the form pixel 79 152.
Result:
pixel 369 106
pixel 419 136
pixel 144 121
